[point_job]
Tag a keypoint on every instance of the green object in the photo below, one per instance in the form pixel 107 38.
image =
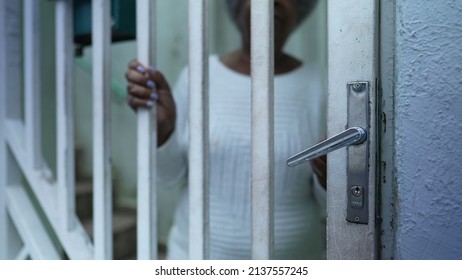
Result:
pixel 123 14
pixel 117 88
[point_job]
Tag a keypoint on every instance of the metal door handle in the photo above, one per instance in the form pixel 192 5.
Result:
pixel 351 136
pixel 357 160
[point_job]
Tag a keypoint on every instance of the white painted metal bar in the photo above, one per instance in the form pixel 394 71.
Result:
pixel 147 140
pixel 199 132
pixel 352 56
pixel 29 225
pixel 75 242
pixel 262 70
pixel 64 114
pixel 32 79
pixel 23 254
pixel 3 145
pixel 10 105
pixel 3 162
pixel 102 175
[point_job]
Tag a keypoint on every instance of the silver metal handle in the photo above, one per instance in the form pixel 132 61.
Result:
pixel 351 136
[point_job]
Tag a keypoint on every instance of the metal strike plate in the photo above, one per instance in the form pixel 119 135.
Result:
pixel 358 155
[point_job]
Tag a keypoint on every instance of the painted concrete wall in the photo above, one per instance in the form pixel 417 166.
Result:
pixel 428 94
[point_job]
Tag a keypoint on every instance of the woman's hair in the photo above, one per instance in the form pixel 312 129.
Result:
pixel 303 8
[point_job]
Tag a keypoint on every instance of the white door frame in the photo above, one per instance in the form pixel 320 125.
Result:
pixel 352 57
pixel 386 132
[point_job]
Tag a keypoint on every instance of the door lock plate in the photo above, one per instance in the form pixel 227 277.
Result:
pixel 358 155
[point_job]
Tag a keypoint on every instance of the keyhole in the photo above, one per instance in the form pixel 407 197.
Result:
pixel 357 191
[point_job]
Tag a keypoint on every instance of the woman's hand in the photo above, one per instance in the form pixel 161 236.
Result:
pixel 146 88
pixel 319 167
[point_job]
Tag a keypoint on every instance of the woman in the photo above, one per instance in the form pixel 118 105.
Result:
pixel 299 122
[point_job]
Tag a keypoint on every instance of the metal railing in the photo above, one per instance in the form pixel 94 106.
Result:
pixel 20 149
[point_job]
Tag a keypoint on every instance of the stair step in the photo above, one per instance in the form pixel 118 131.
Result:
pixel 123 220
pixel 124 233
pixel 84 199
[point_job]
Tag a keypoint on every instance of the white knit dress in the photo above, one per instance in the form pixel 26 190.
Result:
pixel 299 200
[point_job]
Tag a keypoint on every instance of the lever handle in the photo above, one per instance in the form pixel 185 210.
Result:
pixel 351 136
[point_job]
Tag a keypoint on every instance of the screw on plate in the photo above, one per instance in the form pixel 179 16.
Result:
pixel 357 87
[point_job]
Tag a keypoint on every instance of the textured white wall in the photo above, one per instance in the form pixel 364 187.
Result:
pixel 428 115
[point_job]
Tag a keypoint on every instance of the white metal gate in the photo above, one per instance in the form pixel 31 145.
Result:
pixel 20 146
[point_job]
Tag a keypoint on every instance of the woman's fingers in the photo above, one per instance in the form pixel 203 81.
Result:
pixel 141 87
pixel 134 63
pixel 140 68
pixel 136 102
pixel 142 92
pixel 147 76
pixel 319 166
pixel 135 77
pixel 158 78
pixel 140 73
pixel 148 87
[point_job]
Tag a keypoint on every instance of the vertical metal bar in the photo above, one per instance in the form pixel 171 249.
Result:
pixel 102 175
pixel 32 80
pixel 147 140
pixel 262 59
pixel 3 145
pixel 199 132
pixel 10 104
pixel 353 56
pixel 65 112
pixel 23 254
